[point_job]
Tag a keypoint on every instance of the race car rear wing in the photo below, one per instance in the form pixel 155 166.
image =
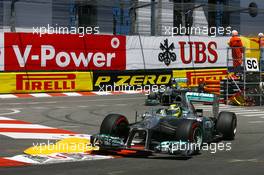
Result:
pixel 204 97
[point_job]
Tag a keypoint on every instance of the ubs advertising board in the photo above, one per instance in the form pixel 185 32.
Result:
pixel 176 52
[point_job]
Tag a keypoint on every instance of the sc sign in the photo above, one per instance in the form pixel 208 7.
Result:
pixel 252 65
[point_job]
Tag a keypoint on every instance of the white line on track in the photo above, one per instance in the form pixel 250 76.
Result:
pixel 41 95
pixel 8 96
pixel 24 126
pixel 250 112
pixel 14 111
pixel 18 135
pixel 5 118
pixel 102 93
pixel 120 104
pixel 254 115
pixel 254 122
pixel 236 110
pixel 72 94
pixel 31 103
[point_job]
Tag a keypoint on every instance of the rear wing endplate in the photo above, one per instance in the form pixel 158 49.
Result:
pixel 204 97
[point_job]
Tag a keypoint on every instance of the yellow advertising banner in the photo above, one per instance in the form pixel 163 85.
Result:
pixel 252 47
pixel 25 82
pixel 196 76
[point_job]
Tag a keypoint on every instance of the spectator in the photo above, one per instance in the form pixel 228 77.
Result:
pixel 237 52
pixel 261 47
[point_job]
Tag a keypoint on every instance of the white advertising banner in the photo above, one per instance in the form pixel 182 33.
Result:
pixel 175 52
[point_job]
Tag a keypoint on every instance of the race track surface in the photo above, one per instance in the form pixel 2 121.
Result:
pixel 84 115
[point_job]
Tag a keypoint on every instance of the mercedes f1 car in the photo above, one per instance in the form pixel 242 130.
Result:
pixel 167 96
pixel 178 130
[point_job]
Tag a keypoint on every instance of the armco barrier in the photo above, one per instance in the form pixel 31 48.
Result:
pixel 45 82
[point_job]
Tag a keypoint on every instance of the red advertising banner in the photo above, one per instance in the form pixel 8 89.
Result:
pixel 32 52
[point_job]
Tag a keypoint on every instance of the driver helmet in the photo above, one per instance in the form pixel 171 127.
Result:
pixel 174 83
pixel 175 110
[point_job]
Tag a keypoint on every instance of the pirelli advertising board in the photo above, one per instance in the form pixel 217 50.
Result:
pixel 197 76
pixel 122 80
pixel 46 82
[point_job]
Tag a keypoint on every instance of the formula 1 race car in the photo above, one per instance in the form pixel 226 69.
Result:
pixel 169 95
pixel 179 129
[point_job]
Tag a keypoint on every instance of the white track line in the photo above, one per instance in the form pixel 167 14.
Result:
pixel 253 122
pixel 72 94
pixel 5 118
pixel 23 126
pixel 19 135
pixel 8 96
pixel 14 111
pixel 254 115
pixel 102 93
pixel 41 95
pixel 250 112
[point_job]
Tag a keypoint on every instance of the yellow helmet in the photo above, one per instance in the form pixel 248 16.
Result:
pixel 175 110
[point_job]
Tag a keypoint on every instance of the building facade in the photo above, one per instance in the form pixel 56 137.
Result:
pixel 130 17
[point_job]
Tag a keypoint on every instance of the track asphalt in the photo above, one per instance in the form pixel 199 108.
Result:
pixel 84 115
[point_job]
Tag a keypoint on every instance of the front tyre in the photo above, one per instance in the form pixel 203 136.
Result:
pixel 227 125
pixel 115 125
pixel 190 131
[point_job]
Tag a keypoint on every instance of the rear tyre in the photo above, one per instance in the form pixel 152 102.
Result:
pixel 152 96
pixel 165 100
pixel 115 125
pixel 227 125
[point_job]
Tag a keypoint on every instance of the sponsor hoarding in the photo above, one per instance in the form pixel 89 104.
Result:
pixel 46 82
pixel 69 52
pixel 111 81
pixel 32 52
pixel 2 55
pixel 176 52
pixel 197 76
pixel 252 47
